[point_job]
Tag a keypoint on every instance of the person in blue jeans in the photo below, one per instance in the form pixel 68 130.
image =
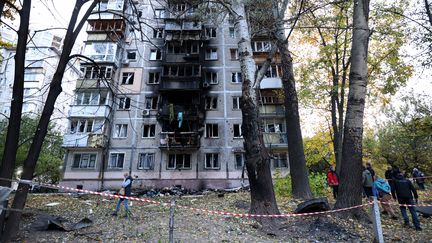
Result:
pixel 404 192
pixel 127 185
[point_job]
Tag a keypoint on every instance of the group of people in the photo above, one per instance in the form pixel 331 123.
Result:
pixel 394 185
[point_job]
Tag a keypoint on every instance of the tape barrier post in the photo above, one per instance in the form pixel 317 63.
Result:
pixel 171 221
pixel 376 217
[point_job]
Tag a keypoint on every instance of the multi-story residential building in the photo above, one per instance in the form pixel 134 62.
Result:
pixel 165 108
pixel 43 54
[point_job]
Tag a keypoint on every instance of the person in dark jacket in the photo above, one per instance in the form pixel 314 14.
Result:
pixel 333 180
pixel 127 186
pixel 404 192
pixel 367 182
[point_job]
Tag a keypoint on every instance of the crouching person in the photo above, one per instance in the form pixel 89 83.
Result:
pixel 383 190
pixel 126 191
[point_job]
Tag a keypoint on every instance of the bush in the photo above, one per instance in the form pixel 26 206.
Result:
pixel 317 181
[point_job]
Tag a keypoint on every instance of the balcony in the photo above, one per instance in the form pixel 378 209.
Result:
pixel 275 139
pixel 271 111
pixel 181 58
pixel 179 140
pixel 84 140
pixel 85 83
pixel 167 85
pixel 89 111
pixel 175 25
pixel 189 112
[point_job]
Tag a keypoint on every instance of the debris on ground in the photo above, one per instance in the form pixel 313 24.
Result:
pixel 48 222
pixel 313 205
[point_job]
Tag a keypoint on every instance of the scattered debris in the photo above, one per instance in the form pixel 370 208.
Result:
pixel 313 205
pixel 426 211
pixel 52 204
pixel 48 222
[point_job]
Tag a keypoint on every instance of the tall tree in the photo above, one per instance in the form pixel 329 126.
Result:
pixel 74 27
pixel 327 30
pixel 12 137
pixel 350 189
pixel 298 171
pixel 263 199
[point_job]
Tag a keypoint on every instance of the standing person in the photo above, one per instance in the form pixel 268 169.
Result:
pixel 126 186
pixel 404 192
pixel 333 181
pixel 367 182
pixel 383 190
pixel 369 168
pixel 419 178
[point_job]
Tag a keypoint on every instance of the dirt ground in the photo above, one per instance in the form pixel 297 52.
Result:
pixel 149 222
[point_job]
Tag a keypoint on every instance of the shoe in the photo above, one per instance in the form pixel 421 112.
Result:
pixel 407 224
pixel 114 214
pixel 395 217
pixel 384 212
pixel 418 228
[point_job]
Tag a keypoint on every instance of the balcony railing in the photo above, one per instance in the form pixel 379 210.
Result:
pixel 179 85
pixel 84 140
pixel 89 111
pixel 180 140
pixel 189 112
pixel 275 139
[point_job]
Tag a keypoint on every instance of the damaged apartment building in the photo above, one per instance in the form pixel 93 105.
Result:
pixel 166 107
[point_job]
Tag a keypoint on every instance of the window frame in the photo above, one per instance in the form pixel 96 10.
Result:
pixel 211 54
pixel 128 78
pixel 237 98
pixel 79 165
pixel 237 127
pixel 117 155
pixel 154 78
pixel 124 103
pixel 151 130
pixel 154 101
pixel 123 128
pixel 278 158
pixel 211 129
pixel 143 159
pixel 184 156
pixel 155 55
pixel 214 163
pixel 133 52
pixel 234 54
pixel 242 156
pixel 211 103
pixel 211 32
pixel 236 78
pixel 211 77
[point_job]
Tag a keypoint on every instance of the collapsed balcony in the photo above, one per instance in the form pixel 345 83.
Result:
pixel 179 140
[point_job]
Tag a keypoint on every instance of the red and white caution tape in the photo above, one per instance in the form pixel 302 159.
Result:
pixel 213 212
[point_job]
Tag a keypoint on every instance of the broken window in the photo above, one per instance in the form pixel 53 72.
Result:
pixel 232 32
pixel 128 78
pixel 211 77
pixel 211 54
pixel 159 13
pixel 151 103
pixel 261 46
pixel 179 161
pixel 116 161
pixel 145 161
pixel 124 103
pixel 91 72
pixel 236 103
pixel 155 55
pixel 275 128
pixel 212 161
pixel 234 54
pixel 131 55
pixel 211 103
pixel 237 130
pixel 154 77
pixel 280 160
pixel 236 77
pixel 85 126
pixel 239 160
pixel 269 99
pixel 120 131
pixel 84 161
pixel 149 131
pixel 212 130
pixel 158 33
pixel 210 32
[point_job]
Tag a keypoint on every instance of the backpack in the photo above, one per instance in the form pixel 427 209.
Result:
pixel 382 185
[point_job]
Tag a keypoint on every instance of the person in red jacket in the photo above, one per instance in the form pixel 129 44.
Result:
pixel 333 180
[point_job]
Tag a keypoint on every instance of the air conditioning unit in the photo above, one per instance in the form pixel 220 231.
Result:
pixel 206 84
pixel 146 112
pixel 125 62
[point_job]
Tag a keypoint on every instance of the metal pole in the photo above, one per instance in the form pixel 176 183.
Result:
pixel 376 217
pixel 171 221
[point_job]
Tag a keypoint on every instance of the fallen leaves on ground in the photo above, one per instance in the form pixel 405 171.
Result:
pixel 149 222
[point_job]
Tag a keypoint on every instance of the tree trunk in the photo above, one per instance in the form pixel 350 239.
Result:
pixel 297 161
pixel 263 200
pixel 12 224
pixel 350 189
pixel 14 125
